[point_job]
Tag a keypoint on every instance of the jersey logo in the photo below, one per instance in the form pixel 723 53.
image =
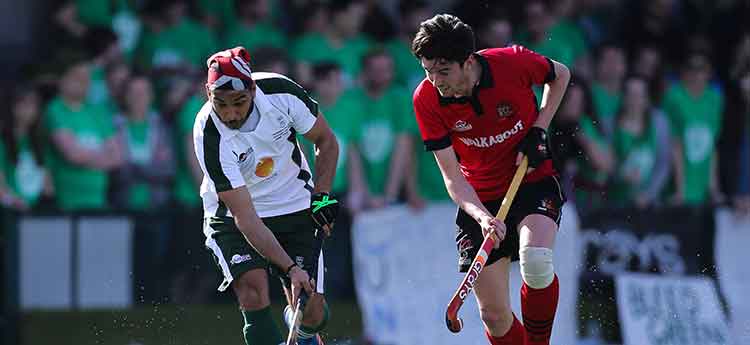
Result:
pixel 461 126
pixel 264 167
pixel 486 142
pixel 504 110
pixel 242 157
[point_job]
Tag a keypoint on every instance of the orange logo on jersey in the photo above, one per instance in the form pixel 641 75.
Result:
pixel 264 167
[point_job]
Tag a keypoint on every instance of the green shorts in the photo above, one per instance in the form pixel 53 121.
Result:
pixel 234 256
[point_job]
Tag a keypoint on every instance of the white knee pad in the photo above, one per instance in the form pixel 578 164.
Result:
pixel 536 267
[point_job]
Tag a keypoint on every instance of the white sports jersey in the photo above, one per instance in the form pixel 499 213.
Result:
pixel 263 155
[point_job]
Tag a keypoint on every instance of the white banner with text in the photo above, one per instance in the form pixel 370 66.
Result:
pixel 406 271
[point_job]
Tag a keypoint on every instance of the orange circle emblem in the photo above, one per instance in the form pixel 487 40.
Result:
pixel 264 167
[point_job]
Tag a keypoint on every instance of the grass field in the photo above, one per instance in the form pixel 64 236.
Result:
pixel 165 325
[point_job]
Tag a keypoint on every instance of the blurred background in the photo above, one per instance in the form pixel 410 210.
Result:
pixel 101 219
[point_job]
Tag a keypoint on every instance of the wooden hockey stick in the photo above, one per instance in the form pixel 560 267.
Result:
pixel 452 320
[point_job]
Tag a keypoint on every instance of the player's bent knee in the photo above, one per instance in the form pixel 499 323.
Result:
pixel 493 316
pixel 250 294
pixel 537 269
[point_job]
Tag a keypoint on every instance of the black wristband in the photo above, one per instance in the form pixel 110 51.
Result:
pixel 289 269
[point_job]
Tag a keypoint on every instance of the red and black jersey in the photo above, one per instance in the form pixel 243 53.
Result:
pixel 485 129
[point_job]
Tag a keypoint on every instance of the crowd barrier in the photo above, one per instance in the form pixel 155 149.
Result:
pixel 649 276
pixel 637 269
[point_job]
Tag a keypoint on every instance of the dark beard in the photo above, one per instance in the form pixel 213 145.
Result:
pixel 236 124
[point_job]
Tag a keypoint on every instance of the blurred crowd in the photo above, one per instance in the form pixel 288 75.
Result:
pixel 648 120
pixel 658 112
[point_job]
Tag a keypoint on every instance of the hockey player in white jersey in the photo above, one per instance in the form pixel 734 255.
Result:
pixel 258 191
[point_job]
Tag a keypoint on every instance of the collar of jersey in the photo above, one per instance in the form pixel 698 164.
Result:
pixel 261 103
pixel 485 81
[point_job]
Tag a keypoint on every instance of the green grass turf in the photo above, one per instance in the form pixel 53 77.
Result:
pixel 164 325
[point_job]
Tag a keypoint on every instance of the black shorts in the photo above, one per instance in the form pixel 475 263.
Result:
pixel 543 197
pixel 234 256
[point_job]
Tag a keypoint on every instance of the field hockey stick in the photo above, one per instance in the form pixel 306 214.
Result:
pixel 452 320
pixel 299 308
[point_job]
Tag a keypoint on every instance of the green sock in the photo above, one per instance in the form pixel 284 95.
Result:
pixel 260 329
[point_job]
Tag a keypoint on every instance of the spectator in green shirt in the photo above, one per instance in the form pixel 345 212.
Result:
pixel 142 182
pixel 540 37
pixel 694 109
pixel 104 50
pixel 408 71
pixel 386 107
pixel 188 176
pixel 642 147
pixel 173 41
pixel 23 177
pixel 648 63
pixel 340 41
pixel 254 27
pixel 584 156
pixel 606 89
pixel 79 17
pixel 116 76
pixel 84 147
pixel 344 116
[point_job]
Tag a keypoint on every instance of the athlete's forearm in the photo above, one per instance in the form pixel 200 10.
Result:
pixel 262 239
pixel 251 226
pixel 459 189
pixel 326 157
pixel 463 194
pixel 552 96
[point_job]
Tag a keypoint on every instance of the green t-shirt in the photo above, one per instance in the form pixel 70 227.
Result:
pixel 95 12
pixel 381 123
pixel 568 32
pixel 187 42
pixel 345 119
pixel 222 10
pixel 588 196
pixel 261 34
pixel 98 90
pixel 185 190
pixel 78 187
pixel 695 122
pixel 26 177
pixel 314 47
pixel 140 151
pixel 606 105
pixel 409 72
pixel 553 47
pixel 635 153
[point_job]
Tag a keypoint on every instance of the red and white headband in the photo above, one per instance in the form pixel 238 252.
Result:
pixel 230 70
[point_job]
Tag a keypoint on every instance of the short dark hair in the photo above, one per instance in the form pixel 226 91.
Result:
pixel 444 36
